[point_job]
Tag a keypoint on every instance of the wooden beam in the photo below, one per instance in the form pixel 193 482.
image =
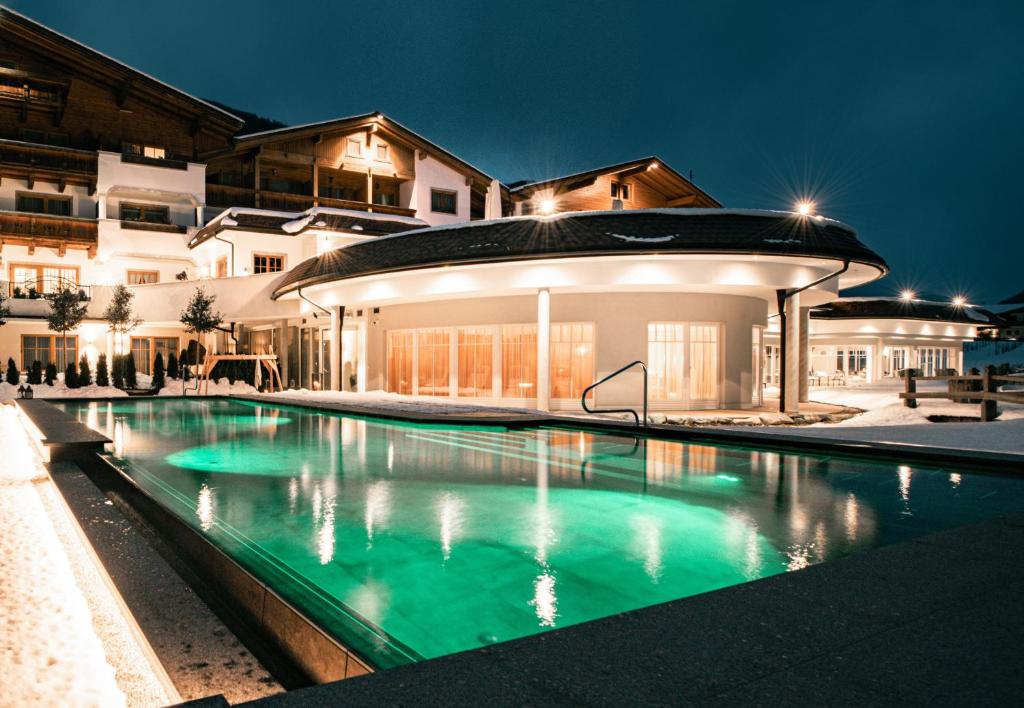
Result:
pixel 316 183
pixel 32 248
pixel 682 201
pixel 92 251
pixel 62 249
pixel 121 92
pixel 31 180
pixel 61 184
pixel 579 184
pixel 629 173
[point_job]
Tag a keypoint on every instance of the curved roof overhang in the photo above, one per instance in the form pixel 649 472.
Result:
pixel 738 241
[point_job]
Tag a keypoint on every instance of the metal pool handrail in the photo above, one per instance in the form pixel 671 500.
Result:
pixel 591 387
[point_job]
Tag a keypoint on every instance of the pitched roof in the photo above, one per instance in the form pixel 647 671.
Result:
pixel 43 32
pixel 1017 299
pixel 297 131
pixel 898 308
pixel 583 234
pixel 287 223
pixel 525 188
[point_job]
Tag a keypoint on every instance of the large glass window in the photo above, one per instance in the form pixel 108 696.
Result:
pixel 519 361
pixel 267 263
pixel 34 348
pixel 443 201
pixel 42 278
pixel 572 359
pixel 149 213
pixel 165 346
pixel 476 348
pixel 703 362
pixel 757 365
pixel 665 361
pixel 433 354
pixel 400 356
pixel 44 204
pixel 141 354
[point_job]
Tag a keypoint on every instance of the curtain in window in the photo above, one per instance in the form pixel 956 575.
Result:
pixel 703 362
pixel 757 365
pixel 400 354
pixel 475 362
pixel 433 352
pixel 572 359
pixel 35 348
pixel 665 361
pixel 140 353
pixel 519 361
pixel 72 351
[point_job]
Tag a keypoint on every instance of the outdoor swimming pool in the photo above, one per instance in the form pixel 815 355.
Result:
pixel 409 541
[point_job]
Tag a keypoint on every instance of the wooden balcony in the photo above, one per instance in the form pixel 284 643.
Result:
pixel 31 161
pixel 153 226
pixel 47 231
pixel 220 195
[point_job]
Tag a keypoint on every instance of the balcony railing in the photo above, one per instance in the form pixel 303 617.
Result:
pixel 73 230
pixel 221 195
pixel 151 226
pixel 31 156
pixel 154 161
pixel 38 288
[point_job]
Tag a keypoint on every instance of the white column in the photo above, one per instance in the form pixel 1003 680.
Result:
pixel 361 365
pixel 282 351
pixel 101 205
pixel 543 349
pixel 960 361
pixel 337 319
pixel 805 353
pixel 793 354
pixel 199 215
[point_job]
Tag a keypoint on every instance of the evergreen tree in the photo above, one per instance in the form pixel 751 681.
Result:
pixel 158 372
pixel 84 372
pixel 51 374
pixel 120 320
pixel 183 365
pixel 172 366
pixel 129 372
pixel 71 375
pixel 5 311
pixel 35 373
pixel 102 375
pixel 13 375
pixel 67 310
pixel 118 371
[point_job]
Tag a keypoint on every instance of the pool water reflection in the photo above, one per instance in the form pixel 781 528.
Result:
pixel 410 541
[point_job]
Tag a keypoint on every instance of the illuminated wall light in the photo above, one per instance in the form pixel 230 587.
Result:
pixel 907 295
pixel 959 301
pixel 805 208
pixel 547 206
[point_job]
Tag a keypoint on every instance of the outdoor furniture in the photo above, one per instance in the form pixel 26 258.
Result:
pixel 838 379
pixel 818 377
pixel 267 361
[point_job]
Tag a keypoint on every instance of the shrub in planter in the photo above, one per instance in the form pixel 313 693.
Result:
pixel 13 375
pixel 118 371
pixel 84 372
pixel 102 375
pixel 51 374
pixel 71 376
pixel 158 372
pixel 35 373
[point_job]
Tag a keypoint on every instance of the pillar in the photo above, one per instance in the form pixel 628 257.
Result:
pixel 805 353
pixel 793 354
pixel 282 351
pixel 101 205
pixel 110 351
pixel 337 320
pixel 543 349
pixel 199 215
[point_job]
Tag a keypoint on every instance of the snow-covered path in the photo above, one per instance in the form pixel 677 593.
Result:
pixel 62 632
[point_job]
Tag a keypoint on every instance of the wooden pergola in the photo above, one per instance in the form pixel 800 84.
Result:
pixel 268 361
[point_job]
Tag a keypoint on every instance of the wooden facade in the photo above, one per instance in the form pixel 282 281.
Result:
pixel 357 163
pixel 641 184
pixel 61 102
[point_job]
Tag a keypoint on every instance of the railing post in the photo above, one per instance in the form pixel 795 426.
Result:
pixel 910 388
pixel 989 409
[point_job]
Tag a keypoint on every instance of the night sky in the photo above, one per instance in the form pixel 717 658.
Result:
pixel 903 119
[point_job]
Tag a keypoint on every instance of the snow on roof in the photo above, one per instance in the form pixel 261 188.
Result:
pixel 111 59
pixel 312 216
pixel 560 178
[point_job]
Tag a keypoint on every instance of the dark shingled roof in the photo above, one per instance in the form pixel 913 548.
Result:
pixel 340 220
pixel 581 234
pixel 896 308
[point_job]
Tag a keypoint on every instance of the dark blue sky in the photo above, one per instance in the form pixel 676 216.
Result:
pixel 904 119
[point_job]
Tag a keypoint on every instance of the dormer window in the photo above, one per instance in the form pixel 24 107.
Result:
pixel 355 147
pixel 382 153
pixel 621 190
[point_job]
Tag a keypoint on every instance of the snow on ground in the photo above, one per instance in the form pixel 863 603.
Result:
pixel 887 419
pixel 217 387
pixel 54 604
pixel 9 392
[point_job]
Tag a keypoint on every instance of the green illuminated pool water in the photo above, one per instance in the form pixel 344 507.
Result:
pixel 410 541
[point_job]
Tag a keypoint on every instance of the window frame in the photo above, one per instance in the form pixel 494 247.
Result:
pixel 143 210
pixel 40 269
pixel 53 350
pixel 621 190
pixel 440 191
pixel 686 344
pixel 387 152
pixel 47 199
pixel 353 147
pixel 260 254
pixel 128 276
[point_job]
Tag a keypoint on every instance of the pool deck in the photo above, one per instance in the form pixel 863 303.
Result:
pixel 934 621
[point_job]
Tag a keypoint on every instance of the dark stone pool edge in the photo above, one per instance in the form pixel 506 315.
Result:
pixel 934 621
